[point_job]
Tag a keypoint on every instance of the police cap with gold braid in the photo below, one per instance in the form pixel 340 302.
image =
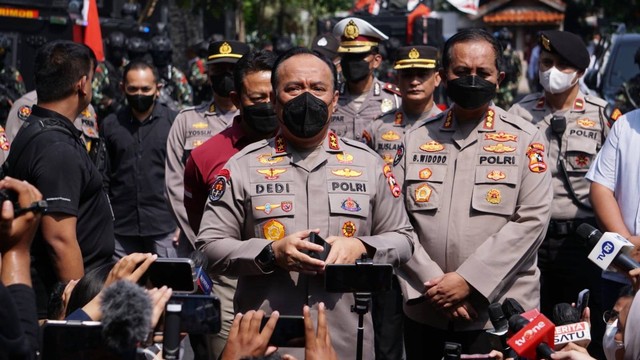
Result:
pixel 357 35
pixel 226 51
pixel 568 46
pixel 419 56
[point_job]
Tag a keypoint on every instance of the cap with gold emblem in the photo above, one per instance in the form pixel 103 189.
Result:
pixel 419 56
pixel 357 35
pixel 228 51
pixel 568 46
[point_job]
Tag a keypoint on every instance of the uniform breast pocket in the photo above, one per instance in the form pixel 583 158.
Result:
pixel 580 154
pixel 349 214
pixel 274 216
pixel 425 186
pixel 495 190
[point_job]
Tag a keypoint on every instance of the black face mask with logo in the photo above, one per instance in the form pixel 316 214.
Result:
pixel 140 103
pixel 260 117
pixel 471 91
pixel 222 84
pixel 305 116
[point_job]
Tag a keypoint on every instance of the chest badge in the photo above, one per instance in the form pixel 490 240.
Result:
pixel 349 229
pixel 586 123
pixel 345 158
pixel 271 173
pixel 425 173
pixel 200 125
pixel 501 137
pixel 386 105
pixel 494 196
pixel 197 143
pixel 496 175
pixel 266 159
pixel 267 208
pixel 423 193
pixel 286 206
pixel 273 230
pixel 582 161
pixel 388 158
pixel 536 158
pixel 432 146
pixel 350 205
pixel 390 136
pixel 499 148
pixel 346 172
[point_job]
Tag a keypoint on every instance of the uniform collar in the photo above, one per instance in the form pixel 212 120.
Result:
pixel 41 112
pixel 211 108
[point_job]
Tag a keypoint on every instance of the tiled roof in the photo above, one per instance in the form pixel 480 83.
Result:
pixel 528 16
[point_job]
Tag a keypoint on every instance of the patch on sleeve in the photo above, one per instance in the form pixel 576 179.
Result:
pixel 536 158
pixel 399 155
pixel 24 112
pixel 219 186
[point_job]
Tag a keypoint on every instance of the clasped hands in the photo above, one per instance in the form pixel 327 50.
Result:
pixel 449 294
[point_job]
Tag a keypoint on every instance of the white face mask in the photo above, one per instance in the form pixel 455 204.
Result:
pixel 609 343
pixel 555 81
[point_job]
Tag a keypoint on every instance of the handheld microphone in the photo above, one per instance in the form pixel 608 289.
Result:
pixel 531 339
pixel 569 328
pixel 171 334
pixel 204 282
pixel 608 248
pixel 499 331
pixel 126 318
pixel 511 307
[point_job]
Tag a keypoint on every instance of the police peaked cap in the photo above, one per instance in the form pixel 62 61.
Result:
pixel 419 56
pixel 357 35
pixel 226 51
pixel 567 45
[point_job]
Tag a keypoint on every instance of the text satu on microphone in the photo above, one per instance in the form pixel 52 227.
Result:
pixel 569 328
pixel 532 339
pixel 608 248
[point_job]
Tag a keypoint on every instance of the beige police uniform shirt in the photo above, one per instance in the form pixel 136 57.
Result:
pixel 268 191
pixel 574 150
pixel 191 128
pixel 351 119
pixel 479 202
pixel 87 121
pixel 384 135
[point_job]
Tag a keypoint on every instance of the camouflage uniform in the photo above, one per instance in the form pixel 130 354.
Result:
pixel 199 80
pixel 176 92
pixel 627 97
pixel 509 86
pixel 11 88
pixel 107 97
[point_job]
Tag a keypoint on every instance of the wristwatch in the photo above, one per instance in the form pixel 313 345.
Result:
pixel 266 260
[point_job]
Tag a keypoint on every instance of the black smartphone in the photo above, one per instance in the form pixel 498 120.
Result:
pixel 583 301
pixel 318 240
pixel 358 278
pixel 200 314
pixel 289 331
pixel 63 340
pixel 177 273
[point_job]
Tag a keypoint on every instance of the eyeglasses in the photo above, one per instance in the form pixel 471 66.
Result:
pixel 610 315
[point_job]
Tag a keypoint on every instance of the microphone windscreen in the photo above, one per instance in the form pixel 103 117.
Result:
pixel 511 307
pixel 199 259
pixel 564 313
pixel 516 323
pixel 587 231
pixel 496 315
pixel 126 315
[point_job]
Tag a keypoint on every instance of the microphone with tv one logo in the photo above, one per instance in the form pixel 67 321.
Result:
pixel 531 339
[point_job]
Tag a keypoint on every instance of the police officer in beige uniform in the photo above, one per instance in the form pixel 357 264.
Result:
pixel 195 125
pixel 363 97
pixel 478 194
pixel 272 194
pixel 575 127
pixel 418 79
pixel 85 122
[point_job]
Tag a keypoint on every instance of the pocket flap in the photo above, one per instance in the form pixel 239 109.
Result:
pixel 349 204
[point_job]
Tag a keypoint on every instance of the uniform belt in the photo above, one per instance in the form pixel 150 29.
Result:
pixel 566 227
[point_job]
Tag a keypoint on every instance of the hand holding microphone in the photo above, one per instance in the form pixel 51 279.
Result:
pixel 608 248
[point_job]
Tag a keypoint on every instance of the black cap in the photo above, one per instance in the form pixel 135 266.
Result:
pixel 326 44
pixel 567 45
pixel 228 51
pixel 407 57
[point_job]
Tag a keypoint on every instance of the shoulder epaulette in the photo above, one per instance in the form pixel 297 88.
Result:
pixel 390 112
pixel 596 101
pixel 391 88
pixel 253 147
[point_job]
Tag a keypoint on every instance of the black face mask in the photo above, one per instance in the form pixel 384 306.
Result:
pixel 222 84
pixel 471 91
pixel 260 117
pixel 140 103
pixel 355 70
pixel 305 115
